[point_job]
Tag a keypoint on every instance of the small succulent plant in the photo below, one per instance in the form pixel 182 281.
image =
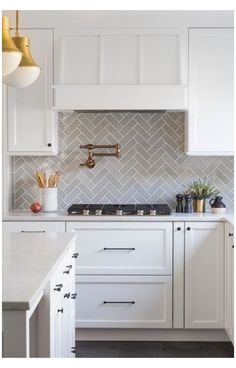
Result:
pixel 202 189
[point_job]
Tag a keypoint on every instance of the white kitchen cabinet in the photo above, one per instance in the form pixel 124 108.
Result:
pixel 143 68
pixel 210 118
pixel 229 281
pixel 129 267
pixel 123 248
pixel 204 275
pixel 124 302
pixel 60 339
pixel 31 124
pixel 33 226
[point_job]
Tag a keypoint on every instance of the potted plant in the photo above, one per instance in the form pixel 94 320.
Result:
pixel 200 190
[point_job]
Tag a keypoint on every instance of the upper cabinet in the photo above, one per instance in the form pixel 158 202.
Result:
pixel 121 69
pixel 31 123
pixel 210 115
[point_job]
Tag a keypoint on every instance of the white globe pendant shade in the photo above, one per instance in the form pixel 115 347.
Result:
pixel 10 61
pixel 22 77
pixel 11 56
pixel 27 71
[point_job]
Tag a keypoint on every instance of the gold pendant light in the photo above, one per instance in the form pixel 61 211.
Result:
pixel 27 71
pixel 11 56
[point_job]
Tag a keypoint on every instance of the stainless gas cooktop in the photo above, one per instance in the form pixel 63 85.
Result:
pixel 119 209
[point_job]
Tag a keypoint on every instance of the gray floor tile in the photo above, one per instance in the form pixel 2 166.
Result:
pixel 139 349
pixel 97 349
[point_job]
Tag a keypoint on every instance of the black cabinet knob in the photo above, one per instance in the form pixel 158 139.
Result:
pixel 67 295
pixel 188 228
pixel 75 255
pixel 73 349
pixel 49 144
pixel 178 228
pixel 231 234
pixel 73 296
pixel 60 310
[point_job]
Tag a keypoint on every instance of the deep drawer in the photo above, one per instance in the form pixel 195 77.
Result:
pixel 124 301
pixel 123 248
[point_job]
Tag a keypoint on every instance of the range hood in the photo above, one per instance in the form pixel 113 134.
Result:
pixel 74 97
pixel 136 69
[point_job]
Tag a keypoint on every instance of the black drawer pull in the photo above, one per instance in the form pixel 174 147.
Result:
pixel 33 231
pixel 69 268
pixel 75 255
pixel 60 310
pixel 178 228
pixel 188 228
pixel 73 349
pixel 73 296
pixel 128 302
pixel 231 234
pixel 58 287
pixel 118 248
pixel 67 295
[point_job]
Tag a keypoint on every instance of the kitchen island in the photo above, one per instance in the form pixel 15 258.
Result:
pixel 37 269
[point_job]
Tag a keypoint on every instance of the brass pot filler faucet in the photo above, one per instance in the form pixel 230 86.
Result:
pixel 90 162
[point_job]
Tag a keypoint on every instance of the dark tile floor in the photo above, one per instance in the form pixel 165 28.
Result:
pixel 152 349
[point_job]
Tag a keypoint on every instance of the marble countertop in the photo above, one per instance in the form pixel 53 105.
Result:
pixel 63 216
pixel 29 261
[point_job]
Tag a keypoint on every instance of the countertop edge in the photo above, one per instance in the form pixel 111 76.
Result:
pixel 27 305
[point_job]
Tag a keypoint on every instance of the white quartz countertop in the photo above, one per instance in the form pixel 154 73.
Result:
pixel 63 216
pixel 29 261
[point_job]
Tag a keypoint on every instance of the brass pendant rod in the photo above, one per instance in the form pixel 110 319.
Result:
pixel 17 24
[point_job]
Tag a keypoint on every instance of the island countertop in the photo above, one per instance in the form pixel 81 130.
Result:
pixel 29 260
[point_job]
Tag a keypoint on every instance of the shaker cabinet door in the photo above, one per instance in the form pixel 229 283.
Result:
pixel 211 101
pixel 31 125
pixel 204 275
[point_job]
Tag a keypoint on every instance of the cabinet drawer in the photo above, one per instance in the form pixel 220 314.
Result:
pixel 33 226
pixel 124 301
pixel 123 248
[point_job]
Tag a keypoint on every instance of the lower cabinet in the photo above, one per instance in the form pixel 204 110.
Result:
pixel 229 281
pixel 123 274
pixel 204 275
pixel 124 302
pixel 62 315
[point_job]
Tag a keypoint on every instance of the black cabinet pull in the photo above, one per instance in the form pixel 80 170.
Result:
pixel 73 349
pixel 231 234
pixel 233 246
pixel 119 248
pixel 60 310
pixel 75 255
pixel 188 228
pixel 128 302
pixel 33 231
pixel 67 295
pixel 49 144
pixel 73 296
pixel 69 268
pixel 58 287
pixel 178 228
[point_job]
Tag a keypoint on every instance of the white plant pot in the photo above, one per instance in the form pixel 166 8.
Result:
pixel 48 199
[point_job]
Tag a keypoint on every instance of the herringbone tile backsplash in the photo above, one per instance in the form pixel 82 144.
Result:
pixel 153 167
